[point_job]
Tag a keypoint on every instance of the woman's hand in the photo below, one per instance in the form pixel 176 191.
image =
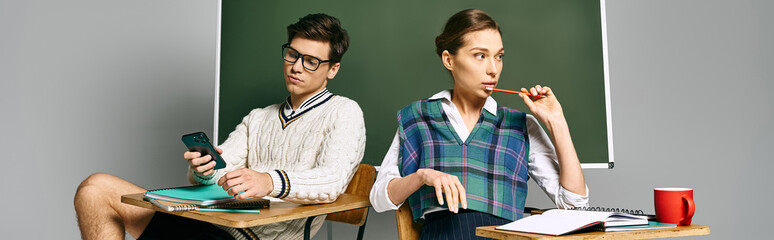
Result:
pixel 445 184
pixel 543 104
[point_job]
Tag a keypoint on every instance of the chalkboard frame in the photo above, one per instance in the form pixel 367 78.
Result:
pixel 607 97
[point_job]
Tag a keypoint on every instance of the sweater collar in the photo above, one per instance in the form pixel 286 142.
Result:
pixel 287 115
pixel 315 99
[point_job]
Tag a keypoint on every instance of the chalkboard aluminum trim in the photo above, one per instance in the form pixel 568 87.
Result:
pixel 608 108
pixel 217 76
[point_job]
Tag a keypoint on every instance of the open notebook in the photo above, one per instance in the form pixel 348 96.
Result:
pixel 558 221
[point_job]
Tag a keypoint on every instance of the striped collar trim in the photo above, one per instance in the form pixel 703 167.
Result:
pixel 288 106
pixel 287 115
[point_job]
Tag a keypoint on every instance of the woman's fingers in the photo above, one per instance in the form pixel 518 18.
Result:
pixel 527 100
pixel 447 187
pixel 537 91
pixel 463 194
pixel 438 191
pixel 450 201
pixel 455 195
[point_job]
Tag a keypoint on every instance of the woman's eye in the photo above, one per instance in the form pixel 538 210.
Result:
pixel 500 57
pixel 479 56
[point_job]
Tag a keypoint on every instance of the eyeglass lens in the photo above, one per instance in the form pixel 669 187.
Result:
pixel 309 62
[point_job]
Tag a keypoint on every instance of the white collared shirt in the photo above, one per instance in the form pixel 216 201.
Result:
pixel 308 103
pixel 543 163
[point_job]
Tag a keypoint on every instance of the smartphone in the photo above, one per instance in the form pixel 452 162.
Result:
pixel 199 142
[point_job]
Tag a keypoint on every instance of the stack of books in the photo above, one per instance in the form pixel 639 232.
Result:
pixel 211 198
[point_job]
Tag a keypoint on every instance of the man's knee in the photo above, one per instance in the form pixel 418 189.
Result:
pixel 99 178
pixel 93 188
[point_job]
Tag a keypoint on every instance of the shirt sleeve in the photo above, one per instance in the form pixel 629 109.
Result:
pixel 544 168
pixel 380 198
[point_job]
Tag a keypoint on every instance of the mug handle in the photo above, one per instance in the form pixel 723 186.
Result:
pixel 691 208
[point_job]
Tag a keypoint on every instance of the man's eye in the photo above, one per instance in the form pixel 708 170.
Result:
pixel 312 61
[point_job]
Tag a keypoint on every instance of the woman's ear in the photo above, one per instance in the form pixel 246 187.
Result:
pixel 446 57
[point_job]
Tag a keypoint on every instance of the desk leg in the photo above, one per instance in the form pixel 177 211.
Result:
pixel 361 230
pixel 308 227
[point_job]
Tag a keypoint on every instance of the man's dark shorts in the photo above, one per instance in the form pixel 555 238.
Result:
pixel 168 226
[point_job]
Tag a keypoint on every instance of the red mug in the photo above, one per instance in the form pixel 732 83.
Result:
pixel 674 205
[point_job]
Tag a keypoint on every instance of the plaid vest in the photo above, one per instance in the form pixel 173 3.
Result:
pixel 491 164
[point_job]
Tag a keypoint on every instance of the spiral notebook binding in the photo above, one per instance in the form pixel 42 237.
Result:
pixel 604 209
pixel 174 208
pixel 184 207
pixel 251 204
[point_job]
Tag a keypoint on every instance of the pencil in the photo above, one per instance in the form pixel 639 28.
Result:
pixel 508 91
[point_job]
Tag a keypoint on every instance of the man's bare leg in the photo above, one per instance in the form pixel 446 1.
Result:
pixel 101 215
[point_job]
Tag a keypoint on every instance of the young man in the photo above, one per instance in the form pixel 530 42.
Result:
pixel 303 150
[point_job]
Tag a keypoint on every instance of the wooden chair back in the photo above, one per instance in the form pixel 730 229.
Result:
pixel 407 228
pixel 360 184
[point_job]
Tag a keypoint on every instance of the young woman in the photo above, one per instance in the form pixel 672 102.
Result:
pixel 462 160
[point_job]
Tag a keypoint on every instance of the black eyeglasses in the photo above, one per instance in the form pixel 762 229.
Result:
pixel 309 62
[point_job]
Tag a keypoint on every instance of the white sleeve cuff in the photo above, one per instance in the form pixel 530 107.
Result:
pixel 389 203
pixel 281 184
pixel 380 199
pixel 568 199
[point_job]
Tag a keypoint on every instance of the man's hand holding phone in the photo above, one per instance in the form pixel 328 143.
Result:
pixel 204 166
pixel 241 183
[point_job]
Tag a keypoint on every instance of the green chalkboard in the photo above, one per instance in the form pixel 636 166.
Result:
pixel 391 61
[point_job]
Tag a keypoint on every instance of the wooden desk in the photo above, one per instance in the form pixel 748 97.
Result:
pixel 277 212
pixel 680 231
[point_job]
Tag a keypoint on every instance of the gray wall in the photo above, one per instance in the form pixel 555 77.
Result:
pixel 110 86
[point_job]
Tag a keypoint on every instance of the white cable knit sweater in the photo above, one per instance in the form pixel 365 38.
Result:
pixel 318 151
